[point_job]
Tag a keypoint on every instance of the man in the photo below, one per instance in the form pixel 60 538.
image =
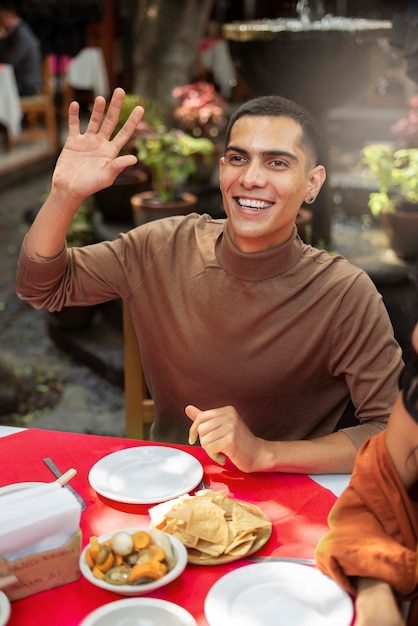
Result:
pixel 257 338
pixel 371 549
pixel 20 48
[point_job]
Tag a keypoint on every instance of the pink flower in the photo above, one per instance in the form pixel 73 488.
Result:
pixel 406 129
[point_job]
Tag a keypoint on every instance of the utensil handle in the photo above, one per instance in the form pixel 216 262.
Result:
pixel 278 559
pixel 58 474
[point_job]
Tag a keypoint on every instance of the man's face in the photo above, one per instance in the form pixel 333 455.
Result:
pixel 265 176
pixel 5 18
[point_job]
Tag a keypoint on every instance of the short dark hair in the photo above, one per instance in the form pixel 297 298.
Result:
pixel 9 5
pixel 278 106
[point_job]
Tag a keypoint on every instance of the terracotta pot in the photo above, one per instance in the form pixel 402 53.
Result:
pixel 401 229
pixel 114 202
pixel 146 207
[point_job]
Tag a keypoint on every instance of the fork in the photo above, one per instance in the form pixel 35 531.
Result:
pixel 279 559
pixel 202 485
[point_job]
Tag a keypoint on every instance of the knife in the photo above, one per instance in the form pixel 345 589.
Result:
pixel 57 473
pixel 282 559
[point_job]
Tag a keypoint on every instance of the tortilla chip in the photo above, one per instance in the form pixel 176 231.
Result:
pixel 212 525
pixel 207 521
pixel 242 519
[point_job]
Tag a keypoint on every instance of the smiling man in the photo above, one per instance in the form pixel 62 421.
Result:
pixel 252 342
pixel 268 171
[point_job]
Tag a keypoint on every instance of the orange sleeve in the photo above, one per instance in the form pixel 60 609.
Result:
pixel 373 526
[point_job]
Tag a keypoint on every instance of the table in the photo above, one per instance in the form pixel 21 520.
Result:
pixel 297 505
pixel 88 71
pixel 10 111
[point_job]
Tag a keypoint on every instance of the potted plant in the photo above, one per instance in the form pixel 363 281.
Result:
pixel 394 169
pixel 114 202
pixel 200 110
pixel 169 156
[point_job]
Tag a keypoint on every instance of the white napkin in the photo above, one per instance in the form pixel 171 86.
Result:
pixel 37 519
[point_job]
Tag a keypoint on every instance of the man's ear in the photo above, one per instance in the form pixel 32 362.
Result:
pixel 317 177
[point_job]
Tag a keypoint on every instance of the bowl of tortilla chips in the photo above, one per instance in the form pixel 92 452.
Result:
pixel 214 528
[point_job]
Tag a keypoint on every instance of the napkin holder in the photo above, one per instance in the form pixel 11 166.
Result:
pixel 43 570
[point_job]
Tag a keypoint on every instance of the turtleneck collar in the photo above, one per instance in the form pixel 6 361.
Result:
pixel 258 265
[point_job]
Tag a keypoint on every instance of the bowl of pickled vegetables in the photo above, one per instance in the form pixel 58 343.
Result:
pixel 134 561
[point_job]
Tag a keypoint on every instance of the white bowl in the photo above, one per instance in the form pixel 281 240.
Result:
pixel 180 554
pixel 140 612
pixel 4 609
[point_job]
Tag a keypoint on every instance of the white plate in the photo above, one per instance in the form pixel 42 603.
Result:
pixel 139 612
pixel 4 609
pixel 145 474
pixel 17 487
pixel 277 594
pixel 180 554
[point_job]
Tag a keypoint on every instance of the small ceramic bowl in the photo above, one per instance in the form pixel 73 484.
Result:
pixel 140 612
pixel 180 555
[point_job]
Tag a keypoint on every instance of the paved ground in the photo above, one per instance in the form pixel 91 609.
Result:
pixel 88 403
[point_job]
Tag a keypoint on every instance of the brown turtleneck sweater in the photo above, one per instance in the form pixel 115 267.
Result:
pixel 285 335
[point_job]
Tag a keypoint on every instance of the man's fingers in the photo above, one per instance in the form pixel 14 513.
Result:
pixel 129 128
pixel 96 117
pixel 218 458
pixel 73 119
pixel 192 412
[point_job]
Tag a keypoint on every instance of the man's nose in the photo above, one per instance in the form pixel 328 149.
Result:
pixel 253 175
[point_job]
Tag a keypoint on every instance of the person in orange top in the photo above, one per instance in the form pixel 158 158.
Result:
pixel 371 548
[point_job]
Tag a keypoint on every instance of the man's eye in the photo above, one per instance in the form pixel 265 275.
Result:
pixel 235 158
pixel 278 163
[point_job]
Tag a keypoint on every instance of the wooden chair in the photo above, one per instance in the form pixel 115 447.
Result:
pixel 139 407
pixel 39 121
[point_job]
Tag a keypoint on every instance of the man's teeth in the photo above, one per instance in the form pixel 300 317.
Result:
pixel 254 204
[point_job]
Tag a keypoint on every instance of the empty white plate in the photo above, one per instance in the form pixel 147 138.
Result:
pixel 145 474
pixel 4 609
pixel 139 612
pixel 277 594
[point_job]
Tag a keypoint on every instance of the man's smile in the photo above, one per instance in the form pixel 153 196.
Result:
pixel 257 205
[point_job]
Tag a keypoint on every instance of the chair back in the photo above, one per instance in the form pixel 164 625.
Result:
pixel 139 406
pixel 39 115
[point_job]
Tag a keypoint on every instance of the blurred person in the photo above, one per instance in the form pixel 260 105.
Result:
pixel 371 548
pixel 20 48
pixel 252 342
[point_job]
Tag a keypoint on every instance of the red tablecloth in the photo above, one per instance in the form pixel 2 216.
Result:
pixel 297 506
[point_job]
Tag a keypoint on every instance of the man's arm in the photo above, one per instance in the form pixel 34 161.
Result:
pixel 223 433
pixel 376 604
pixel 88 162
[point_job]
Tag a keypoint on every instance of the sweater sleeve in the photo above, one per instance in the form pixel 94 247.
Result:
pixel 364 351
pixel 373 527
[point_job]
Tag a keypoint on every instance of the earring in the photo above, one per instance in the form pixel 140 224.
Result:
pixel 310 199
